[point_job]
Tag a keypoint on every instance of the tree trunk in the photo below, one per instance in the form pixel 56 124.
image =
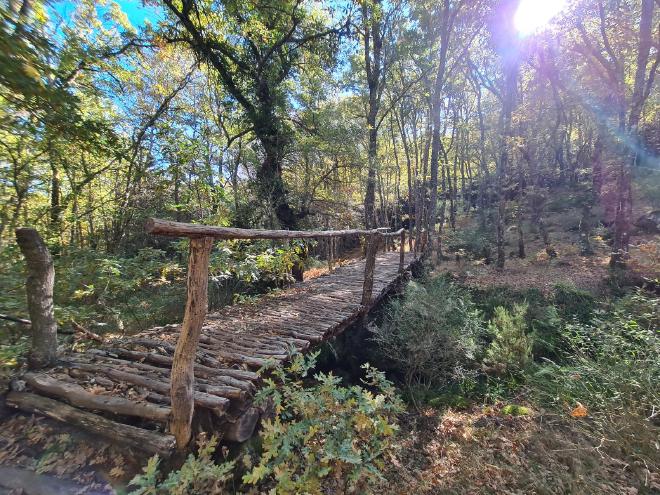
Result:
pixel 508 104
pixel 39 288
pixel 183 377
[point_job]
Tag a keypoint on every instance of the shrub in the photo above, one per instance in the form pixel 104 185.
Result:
pixel 511 349
pixel 612 364
pixel 546 325
pixel 478 242
pixel 489 298
pixel 324 436
pixel 199 475
pixel 573 303
pixel 430 333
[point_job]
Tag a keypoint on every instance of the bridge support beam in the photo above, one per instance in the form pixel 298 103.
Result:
pixel 183 377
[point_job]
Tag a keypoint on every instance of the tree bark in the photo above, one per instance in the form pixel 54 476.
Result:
pixel 183 376
pixel 39 288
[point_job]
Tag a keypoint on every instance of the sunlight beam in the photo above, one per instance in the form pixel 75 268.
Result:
pixel 533 15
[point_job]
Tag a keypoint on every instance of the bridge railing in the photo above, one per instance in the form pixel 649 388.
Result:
pixel 201 242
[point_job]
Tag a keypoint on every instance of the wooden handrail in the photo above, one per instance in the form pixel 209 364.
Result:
pixel 202 237
pixel 169 228
pixel 392 234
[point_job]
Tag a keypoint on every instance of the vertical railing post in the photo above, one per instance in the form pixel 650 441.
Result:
pixel 402 249
pixel 331 253
pixel 183 378
pixel 369 265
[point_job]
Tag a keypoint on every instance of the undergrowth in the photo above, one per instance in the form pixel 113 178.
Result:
pixel 321 437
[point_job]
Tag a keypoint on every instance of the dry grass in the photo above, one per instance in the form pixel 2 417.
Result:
pixel 481 451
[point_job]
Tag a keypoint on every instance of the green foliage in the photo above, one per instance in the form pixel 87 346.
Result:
pixel 569 199
pixel 199 475
pixel 13 349
pixel 610 364
pixel 510 352
pixel 324 434
pixel 647 185
pixel 546 324
pixel 480 243
pixel 542 317
pixel 128 293
pixel 431 333
pixel 573 302
pixel 487 299
pixel 257 263
pixel 515 410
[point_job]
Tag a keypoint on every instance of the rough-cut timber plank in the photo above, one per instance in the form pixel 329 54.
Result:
pixel 139 438
pixel 78 396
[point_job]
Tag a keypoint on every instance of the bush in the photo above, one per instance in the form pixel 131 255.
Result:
pixel 546 325
pixel 611 365
pixel 199 475
pixel 431 333
pixel 478 242
pixel 510 352
pixel 324 437
pixel 573 303
pixel 490 298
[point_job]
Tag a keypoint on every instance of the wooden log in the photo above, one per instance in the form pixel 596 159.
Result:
pixel 243 428
pixel 228 350
pixel 370 263
pixel 223 391
pixel 402 251
pixel 14 319
pixel 155 358
pixel 216 404
pixel 392 234
pixel 183 365
pixel 86 333
pixel 138 438
pixel 200 371
pixel 39 288
pixel 152 344
pixel 78 396
pixel 177 229
pixel 90 377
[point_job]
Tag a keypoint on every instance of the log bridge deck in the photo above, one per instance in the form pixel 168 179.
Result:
pixel 149 391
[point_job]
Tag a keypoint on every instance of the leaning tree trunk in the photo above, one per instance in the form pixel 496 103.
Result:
pixel 39 288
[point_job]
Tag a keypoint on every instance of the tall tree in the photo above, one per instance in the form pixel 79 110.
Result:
pixel 254 47
pixel 615 46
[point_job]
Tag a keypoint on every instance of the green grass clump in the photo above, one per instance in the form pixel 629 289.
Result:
pixel 515 410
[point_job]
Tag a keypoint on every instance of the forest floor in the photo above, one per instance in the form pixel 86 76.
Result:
pixel 479 450
pixel 482 451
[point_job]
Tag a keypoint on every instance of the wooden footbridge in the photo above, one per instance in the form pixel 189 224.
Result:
pixel 151 390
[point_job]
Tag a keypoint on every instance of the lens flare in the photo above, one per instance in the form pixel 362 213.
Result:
pixel 533 15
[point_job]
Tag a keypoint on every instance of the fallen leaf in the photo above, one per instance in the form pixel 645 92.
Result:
pixel 579 411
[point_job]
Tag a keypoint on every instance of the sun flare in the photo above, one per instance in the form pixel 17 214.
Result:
pixel 533 15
